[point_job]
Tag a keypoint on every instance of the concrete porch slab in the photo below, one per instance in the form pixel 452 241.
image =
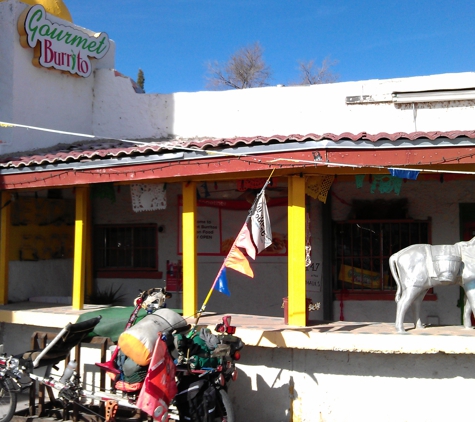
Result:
pixel 271 332
pixel 365 337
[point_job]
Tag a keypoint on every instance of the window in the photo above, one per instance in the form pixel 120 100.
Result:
pixel 361 254
pixel 126 251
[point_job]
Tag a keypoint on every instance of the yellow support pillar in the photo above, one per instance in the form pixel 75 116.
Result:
pixel 296 258
pixel 80 236
pixel 190 276
pixel 5 214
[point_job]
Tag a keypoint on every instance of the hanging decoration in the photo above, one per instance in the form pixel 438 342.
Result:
pixel 404 174
pixel 202 191
pixel 359 178
pixel 103 191
pixel 386 183
pixel 244 185
pixel 148 197
pixel 317 187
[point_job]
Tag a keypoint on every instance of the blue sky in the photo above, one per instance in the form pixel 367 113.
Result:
pixel 171 40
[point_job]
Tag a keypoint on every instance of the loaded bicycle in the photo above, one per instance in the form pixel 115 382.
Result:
pixel 183 374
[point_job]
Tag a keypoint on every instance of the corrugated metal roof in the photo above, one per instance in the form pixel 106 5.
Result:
pixel 106 148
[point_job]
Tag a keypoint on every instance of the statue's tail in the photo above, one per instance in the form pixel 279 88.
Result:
pixel 395 273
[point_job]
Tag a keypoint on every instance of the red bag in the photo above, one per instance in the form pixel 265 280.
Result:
pixel 160 385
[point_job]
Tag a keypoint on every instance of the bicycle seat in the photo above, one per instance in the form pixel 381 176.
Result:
pixel 59 348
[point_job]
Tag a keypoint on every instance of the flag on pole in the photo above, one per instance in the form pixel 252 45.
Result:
pixel 237 261
pixel 260 225
pixel 235 258
pixel 244 241
pixel 222 283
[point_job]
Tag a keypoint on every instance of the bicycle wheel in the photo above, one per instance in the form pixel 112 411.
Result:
pixel 224 408
pixel 8 401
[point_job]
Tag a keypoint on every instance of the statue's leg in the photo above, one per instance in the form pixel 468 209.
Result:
pixel 467 314
pixel 469 288
pixel 416 309
pixel 407 297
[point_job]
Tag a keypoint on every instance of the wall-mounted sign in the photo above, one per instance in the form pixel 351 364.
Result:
pixel 219 221
pixel 59 46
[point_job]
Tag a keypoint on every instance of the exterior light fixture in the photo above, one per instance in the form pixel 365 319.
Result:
pixel 433 96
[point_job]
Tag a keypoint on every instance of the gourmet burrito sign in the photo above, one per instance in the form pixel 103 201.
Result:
pixel 59 46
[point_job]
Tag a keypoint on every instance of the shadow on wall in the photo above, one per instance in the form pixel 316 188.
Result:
pixel 266 382
pixel 287 384
pixel 279 399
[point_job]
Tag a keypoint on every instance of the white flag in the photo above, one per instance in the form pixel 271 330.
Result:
pixel 260 225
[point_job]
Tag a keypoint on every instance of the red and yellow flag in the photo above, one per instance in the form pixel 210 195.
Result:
pixel 237 261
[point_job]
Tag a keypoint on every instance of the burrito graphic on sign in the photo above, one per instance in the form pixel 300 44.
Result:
pixel 260 225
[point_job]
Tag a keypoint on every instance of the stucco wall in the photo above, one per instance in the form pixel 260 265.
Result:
pixel 119 112
pixel 339 386
pixel 278 110
pixel 7 23
pixel 52 277
pixel 319 109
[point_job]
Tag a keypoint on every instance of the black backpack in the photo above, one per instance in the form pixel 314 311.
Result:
pixel 196 400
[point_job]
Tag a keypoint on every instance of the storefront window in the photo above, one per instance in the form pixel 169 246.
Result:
pixel 362 249
pixel 125 249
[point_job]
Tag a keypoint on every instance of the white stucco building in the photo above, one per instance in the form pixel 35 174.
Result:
pixel 73 148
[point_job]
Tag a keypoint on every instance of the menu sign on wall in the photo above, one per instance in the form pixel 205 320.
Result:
pixel 219 221
pixel 59 46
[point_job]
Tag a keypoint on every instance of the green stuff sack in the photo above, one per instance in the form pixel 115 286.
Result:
pixel 196 350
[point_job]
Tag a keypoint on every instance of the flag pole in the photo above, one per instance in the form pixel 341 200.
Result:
pixel 203 306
